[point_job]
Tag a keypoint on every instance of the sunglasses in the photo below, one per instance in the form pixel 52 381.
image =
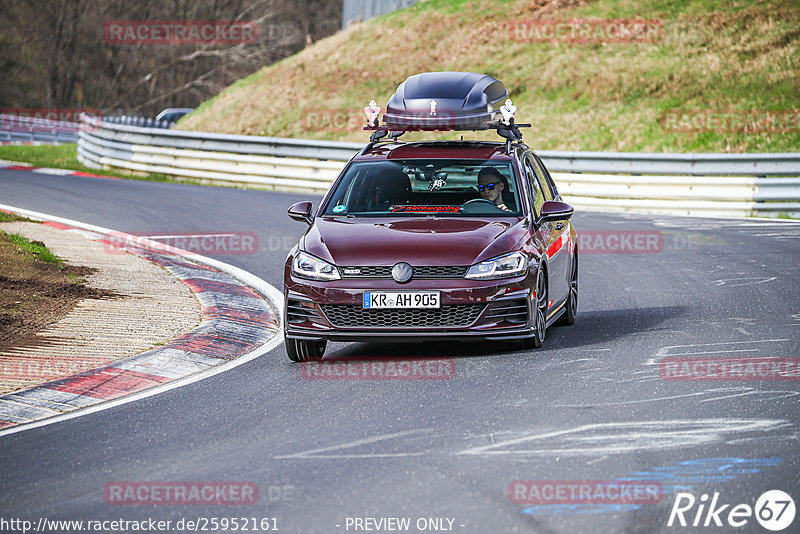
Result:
pixel 488 187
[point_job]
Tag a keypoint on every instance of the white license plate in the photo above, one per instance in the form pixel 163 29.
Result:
pixel 405 299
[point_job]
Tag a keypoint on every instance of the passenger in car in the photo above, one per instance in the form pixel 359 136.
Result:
pixel 392 187
pixel 492 185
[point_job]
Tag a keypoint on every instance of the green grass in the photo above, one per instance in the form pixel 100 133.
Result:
pixel 714 55
pixel 34 247
pixel 12 217
pixel 65 157
pixel 56 156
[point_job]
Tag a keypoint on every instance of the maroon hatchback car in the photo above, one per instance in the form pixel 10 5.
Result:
pixel 459 240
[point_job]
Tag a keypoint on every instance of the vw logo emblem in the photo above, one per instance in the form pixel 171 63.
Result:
pixel 402 272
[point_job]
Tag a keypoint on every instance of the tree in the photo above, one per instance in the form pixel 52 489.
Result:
pixel 54 53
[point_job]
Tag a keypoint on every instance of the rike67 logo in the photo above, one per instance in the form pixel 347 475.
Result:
pixel 774 510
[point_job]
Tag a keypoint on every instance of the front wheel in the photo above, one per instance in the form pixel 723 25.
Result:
pixel 541 309
pixel 300 350
pixel 539 316
pixel 568 317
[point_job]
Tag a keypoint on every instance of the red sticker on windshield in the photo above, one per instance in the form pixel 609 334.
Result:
pixel 425 209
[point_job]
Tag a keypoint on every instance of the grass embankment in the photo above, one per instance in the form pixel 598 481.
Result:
pixel 740 55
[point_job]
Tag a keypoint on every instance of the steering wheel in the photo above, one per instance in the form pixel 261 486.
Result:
pixel 478 205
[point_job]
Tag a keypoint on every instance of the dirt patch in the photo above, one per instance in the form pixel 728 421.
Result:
pixel 35 294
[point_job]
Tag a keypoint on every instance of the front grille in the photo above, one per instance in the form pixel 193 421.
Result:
pixel 454 315
pixel 298 312
pixel 366 272
pixel 444 271
pixel 511 310
pixel 420 272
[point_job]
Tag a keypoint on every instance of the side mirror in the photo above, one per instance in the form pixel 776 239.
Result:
pixel 301 212
pixel 552 210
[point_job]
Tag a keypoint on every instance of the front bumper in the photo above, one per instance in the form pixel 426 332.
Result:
pixel 470 310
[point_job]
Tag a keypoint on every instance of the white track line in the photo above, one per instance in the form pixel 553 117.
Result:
pixel 274 297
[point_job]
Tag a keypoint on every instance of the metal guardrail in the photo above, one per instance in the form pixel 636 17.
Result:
pixel 775 164
pixel 733 196
pixel 669 182
pixel 20 129
pixel 237 144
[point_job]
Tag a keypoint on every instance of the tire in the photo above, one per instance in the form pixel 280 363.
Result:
pixel 568 317
pixel 539 316
pixel 540 320
pixel 300 350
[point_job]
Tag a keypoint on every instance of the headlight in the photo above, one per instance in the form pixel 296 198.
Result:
pixel 308 266
pixel 504 266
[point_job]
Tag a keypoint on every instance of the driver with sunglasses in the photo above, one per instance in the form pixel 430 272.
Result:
pixel 490 186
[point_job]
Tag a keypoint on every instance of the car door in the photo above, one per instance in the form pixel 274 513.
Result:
pixel 556 234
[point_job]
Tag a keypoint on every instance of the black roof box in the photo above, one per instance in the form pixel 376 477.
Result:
pixel 445 101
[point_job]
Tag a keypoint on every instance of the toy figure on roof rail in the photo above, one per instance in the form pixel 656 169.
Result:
pixel 431 239
pixel 446 101
pixel 372 111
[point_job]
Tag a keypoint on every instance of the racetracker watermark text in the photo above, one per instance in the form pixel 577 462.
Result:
pixel 417 369
pixel 42 119
pixel 738 369
pixel 748 121
pixel 190 493
pixel 333 120
pixel 171 32
pixel 584 492
pixel 620 242
pixel 40 371
pixel 344 120
pixel 213 244
pixel 587 30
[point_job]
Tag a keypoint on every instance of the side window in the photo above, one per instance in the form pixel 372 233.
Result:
pixel 535 187
pixel 547 176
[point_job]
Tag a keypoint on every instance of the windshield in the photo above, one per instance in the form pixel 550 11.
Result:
pixel 424 187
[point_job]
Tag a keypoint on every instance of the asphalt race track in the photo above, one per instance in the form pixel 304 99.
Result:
pixel 590 406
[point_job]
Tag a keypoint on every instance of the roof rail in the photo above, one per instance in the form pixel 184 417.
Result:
pixel 379 134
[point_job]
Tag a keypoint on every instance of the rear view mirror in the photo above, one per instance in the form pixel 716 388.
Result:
pixel 301 212
pixel 552 210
